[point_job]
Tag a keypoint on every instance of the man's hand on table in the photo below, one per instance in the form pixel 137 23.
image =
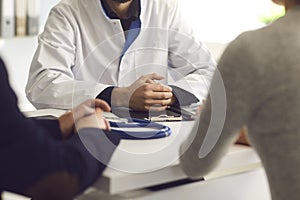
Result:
pixel 87 115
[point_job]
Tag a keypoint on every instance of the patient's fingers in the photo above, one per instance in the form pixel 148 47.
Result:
pixel 102 104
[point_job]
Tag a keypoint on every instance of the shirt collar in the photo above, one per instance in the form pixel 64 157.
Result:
pixel 133 12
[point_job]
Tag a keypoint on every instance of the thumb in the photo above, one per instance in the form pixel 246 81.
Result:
pixel 102 104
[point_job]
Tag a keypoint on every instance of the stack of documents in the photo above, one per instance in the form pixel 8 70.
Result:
pixel 19 17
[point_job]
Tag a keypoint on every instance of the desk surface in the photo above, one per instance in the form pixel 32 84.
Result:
pixel 139 164
pixel 145 163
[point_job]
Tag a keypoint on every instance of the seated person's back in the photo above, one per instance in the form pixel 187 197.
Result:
pixel 260 70
pixel 36 160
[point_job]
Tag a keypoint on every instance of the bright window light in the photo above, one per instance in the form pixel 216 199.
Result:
pixel 221 21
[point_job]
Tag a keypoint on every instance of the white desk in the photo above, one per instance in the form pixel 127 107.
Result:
pixel 139 164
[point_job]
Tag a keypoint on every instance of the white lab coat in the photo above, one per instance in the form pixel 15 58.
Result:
pixel 78 55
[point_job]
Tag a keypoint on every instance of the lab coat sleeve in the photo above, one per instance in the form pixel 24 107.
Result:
pixel 192 64
pixel 229 107
pixel 51 80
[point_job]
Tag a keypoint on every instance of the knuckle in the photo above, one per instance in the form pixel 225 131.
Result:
pixel 165 102
pixel 159 86
pixel 145 93
pixel 147 86
pixel 142 88
pixel 146 101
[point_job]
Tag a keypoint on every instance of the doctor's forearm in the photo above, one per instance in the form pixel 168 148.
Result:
pixel 120 97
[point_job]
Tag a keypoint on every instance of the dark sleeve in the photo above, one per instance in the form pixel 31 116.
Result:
pixel 97 149
pixel 92 160
pixel 30 158
pixel 106 95
pixel 52 127
pixel 183 97
pixel 28 153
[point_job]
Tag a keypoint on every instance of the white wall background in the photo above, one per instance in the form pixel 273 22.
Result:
pixel 17 54
pixel 221 21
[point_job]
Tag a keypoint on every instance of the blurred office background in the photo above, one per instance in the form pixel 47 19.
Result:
pixel 216 22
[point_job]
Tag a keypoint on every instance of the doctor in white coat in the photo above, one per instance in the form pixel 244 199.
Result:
pixel 135 53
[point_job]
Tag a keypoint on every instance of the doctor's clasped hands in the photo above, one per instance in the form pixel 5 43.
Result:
pixel 144 94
